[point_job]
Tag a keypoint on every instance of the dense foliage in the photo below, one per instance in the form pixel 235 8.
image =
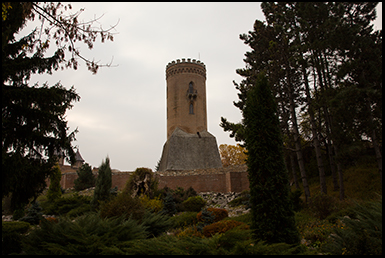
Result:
pixel 271 208
pixel 323 61
pixel 103 183
pixel 34 126
pixel 85 178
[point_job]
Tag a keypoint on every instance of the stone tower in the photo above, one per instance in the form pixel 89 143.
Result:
pixel 189 145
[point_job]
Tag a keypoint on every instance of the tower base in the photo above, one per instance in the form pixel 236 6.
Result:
pixel 185 151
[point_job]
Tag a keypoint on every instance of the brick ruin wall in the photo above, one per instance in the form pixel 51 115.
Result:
pixel 223 180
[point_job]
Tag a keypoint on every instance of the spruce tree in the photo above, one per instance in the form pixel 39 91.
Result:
pixel 272 212
pixel 103 184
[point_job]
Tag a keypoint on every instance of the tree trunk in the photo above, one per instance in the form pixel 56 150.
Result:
pixel 316 142
pixel 292 163
pixel 298 149
pixel 375 142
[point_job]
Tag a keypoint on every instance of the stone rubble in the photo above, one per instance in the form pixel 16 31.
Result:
pixel 221 200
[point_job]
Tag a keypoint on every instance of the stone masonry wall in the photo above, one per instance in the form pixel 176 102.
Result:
pixel 221 180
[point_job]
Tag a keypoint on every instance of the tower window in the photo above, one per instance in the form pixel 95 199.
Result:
pixel 191 108
pixel 190 88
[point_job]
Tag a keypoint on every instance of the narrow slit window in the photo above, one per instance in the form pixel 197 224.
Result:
pixel 191 108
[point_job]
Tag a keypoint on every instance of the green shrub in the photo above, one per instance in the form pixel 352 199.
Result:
pixel 222 226
pixel 156 223
pixel 34 214
pixel 154 205
pixel 179 195
pixel 204 217
pixel 184 219
pixel 242 199
pixel 11 236
pixel 122 205
pixel 360 235
pixel 218 214
pixel 169 206
pixel 64 205
pixel 245 218
pixel 294 197
pixel 322 205
pixel 171 245
pixel 194 203
pixel 87 235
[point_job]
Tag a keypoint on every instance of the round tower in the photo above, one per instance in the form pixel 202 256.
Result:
pixel 186 96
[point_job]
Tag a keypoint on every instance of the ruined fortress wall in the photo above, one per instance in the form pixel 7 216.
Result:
pixel 222 180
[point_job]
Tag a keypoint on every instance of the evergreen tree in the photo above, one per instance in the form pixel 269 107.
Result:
pixel 272 212
pixel 85 178
pixel 103 184
pixel 34 125
pixel 54 190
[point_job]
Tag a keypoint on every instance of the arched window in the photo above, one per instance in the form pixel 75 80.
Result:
pixel 191 108
pixel 191 88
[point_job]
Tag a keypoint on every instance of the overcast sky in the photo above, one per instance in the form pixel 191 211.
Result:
pixel 122 110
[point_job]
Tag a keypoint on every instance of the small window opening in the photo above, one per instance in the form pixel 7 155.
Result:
pixel 191 108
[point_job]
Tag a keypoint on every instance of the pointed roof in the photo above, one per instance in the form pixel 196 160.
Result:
pixel 78 157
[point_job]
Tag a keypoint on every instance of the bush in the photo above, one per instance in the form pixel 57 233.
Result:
pixel 361 235
pixel 75 204
pixel 11 236
pixel 85 178
pixel 87 235
pixel 169 206
pixel 184 219
pixel 34 214
pixel 154 205
pixel 179 195
pixel 156 223
pixel 218 214
pixel 122 205
pixel 194 203
pixel 322 205
pixel 222 226
pixel 243 199
pixel 294 197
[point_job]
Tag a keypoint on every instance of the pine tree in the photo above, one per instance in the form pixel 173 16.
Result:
pixel 85 178
pixel 103 184
pixel 272 212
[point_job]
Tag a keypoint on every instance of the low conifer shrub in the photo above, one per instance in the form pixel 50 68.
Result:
pixel 87 235
pixel 218 214
pixel 222 226
pixel 194 203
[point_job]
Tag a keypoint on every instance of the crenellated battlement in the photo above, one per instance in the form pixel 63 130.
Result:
pixel 189 60
pixel 185 66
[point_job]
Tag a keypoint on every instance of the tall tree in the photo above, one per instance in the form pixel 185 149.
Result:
pixel 103 184
pixel 33 116
pixel 272 212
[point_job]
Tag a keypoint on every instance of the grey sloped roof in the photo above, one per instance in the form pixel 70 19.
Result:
pixel 78 157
